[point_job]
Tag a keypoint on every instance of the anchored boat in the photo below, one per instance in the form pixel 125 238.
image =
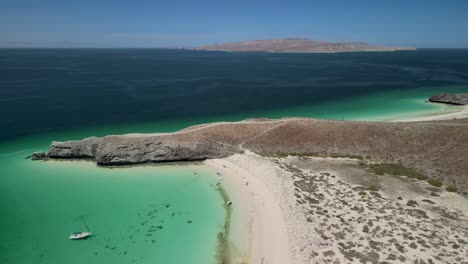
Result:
pixel 80 235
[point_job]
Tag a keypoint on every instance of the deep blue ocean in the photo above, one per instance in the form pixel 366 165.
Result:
pixel 50 90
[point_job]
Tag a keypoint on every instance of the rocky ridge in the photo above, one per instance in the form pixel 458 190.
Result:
pixel 121 150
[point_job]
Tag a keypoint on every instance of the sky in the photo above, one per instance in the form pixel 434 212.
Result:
pixel 183 23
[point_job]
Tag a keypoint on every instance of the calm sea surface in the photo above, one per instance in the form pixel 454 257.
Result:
pixel 167 214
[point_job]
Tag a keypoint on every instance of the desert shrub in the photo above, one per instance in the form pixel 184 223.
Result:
pixel 394 169
pixel 451 189
pixel 435 182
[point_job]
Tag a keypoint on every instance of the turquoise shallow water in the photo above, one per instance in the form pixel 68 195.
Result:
pixel 50 95
pixel 150 214
pixel 379 106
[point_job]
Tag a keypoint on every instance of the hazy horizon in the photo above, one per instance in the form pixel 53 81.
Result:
pixel 184 24
pixel 59 45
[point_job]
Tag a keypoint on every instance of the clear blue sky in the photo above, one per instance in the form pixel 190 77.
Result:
pixel 183 23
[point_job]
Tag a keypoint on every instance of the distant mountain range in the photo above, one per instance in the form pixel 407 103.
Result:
pixel 299 45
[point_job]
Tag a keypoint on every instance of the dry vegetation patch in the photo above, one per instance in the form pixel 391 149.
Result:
pixel 355 223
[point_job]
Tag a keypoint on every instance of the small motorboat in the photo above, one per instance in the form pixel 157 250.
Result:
pixel 228 203
pixel 80 235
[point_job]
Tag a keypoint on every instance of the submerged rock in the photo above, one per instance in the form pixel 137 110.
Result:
pixel 39 156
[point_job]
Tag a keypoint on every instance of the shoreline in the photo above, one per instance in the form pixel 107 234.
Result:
pixel 258 232
pixel 462 113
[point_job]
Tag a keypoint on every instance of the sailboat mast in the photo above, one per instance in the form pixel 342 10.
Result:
pixel 86 225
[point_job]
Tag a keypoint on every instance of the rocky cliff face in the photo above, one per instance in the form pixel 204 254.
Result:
pixel 124 150
pixel 455 99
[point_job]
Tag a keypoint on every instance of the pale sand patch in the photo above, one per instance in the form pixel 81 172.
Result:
pixel 258 229
pixel 463 113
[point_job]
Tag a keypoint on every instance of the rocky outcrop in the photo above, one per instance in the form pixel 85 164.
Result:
pixel 124 150
pixel 38 156
pixel 455 99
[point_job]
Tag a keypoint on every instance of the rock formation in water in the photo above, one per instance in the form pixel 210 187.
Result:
pixel 123 150
pixel 299 45
pixel 455 99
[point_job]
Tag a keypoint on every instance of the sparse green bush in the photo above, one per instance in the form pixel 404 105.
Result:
pixel 311 200
pixel 451 189
pixel 435 182
pixel 393 169
pixel 411 203
pixel 400 198
pixel 428 201
pixel 373 188
pixel 351 156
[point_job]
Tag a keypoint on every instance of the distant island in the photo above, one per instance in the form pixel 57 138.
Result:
pixel 299 45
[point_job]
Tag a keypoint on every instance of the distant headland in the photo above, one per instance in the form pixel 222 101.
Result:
pixel 299 45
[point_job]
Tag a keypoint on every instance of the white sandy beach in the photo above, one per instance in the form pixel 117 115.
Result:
pixel 258 230
pixel 270 224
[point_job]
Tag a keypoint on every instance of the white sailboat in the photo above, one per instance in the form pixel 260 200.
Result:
pixel 80 235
